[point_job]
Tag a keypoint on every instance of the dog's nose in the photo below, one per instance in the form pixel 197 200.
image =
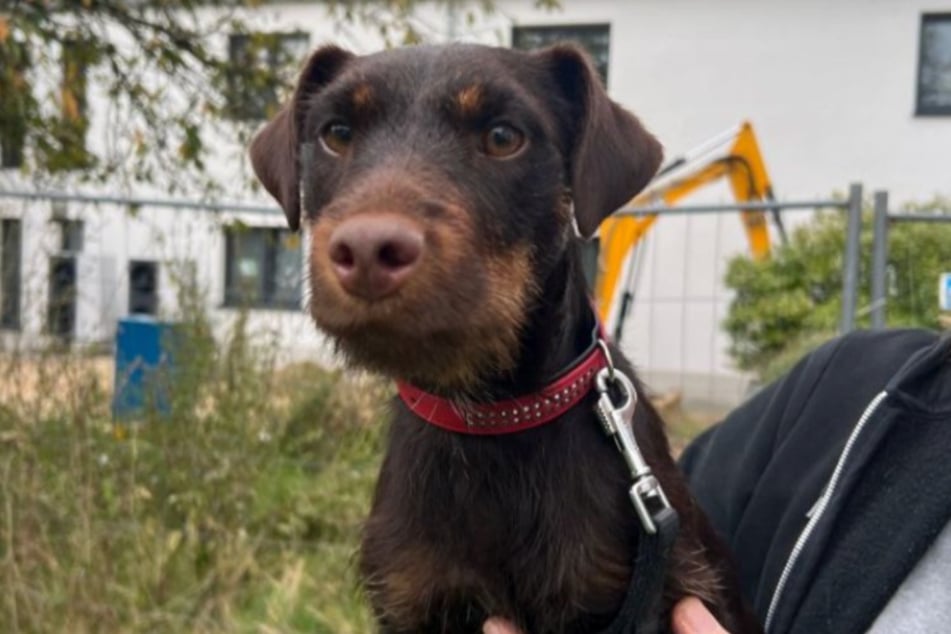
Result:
pixel 374 255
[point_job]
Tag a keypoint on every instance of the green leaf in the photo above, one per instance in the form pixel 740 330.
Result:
pixel 782 305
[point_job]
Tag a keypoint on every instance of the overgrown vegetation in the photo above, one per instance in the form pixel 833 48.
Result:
pixel 789 303
pixel 238 511
pixel 234 506
pixel 171 79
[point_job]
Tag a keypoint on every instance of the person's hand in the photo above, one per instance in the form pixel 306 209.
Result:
pixel 499 626
pixel 690 616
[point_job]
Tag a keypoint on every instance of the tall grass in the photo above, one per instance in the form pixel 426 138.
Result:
pixel 236 512
pixel 235 507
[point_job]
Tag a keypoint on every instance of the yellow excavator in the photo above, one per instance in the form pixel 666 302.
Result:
pixel 734 155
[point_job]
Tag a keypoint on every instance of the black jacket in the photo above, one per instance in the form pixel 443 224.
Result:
pixel 830 484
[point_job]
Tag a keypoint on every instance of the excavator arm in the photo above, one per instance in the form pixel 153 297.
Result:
pixel 741 164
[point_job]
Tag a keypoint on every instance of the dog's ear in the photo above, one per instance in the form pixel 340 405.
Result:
pixel 611 156
pixel 275 151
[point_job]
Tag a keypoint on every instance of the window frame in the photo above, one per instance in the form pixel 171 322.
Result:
pixel 72 234
pixel 11 152
pixel 74 83
pixel 61 303
pixel 233 297
pixel 154 305
pixel 590 27
pixel 920 109
pixel 242 107
pixel 12 125
pixel 11 308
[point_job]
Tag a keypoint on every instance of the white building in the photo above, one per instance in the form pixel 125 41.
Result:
pixel 839 92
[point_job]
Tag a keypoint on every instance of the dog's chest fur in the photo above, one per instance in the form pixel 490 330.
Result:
pixel 536 527
pixel 526 536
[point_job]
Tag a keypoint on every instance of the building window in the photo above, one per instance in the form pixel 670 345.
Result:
pixel 66 149
pixel 143 287
pixel 12 136
pixel 70 234
pixel 11 145
pixel 261 63
pixel 262 267
pixel 934 65
pixel 14 98
pixel 69 151
pixel 11 247
pixel 594 38
pixel 61 307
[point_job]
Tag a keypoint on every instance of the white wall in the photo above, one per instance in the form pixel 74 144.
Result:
pixel 829 87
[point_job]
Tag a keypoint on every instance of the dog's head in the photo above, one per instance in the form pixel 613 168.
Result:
pixel 437 186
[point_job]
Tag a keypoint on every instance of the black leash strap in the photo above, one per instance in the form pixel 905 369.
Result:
pixel 640 612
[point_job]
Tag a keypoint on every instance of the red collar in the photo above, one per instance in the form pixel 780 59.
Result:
pixel 515 414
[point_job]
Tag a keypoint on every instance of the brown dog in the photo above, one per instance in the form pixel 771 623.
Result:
pixel 440 187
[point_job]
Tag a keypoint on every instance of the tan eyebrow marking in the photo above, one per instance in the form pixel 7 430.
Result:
pixel 362 97
pixel 470 99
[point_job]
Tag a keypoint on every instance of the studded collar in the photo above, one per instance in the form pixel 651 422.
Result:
pixel 517 414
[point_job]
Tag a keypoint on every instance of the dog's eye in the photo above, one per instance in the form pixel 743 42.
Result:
pixel 502 141
pixel 336 137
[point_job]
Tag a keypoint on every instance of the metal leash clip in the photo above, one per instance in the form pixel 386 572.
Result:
pixel 616 418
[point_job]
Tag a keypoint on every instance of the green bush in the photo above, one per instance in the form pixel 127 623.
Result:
pixel 786 304
pixel 239 512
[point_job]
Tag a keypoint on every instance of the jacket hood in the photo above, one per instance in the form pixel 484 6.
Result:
pixel 923 383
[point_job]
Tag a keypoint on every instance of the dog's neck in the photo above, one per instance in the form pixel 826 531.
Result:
pixel 558 330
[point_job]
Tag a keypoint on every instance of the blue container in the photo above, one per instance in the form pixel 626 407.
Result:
pixel 143 366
